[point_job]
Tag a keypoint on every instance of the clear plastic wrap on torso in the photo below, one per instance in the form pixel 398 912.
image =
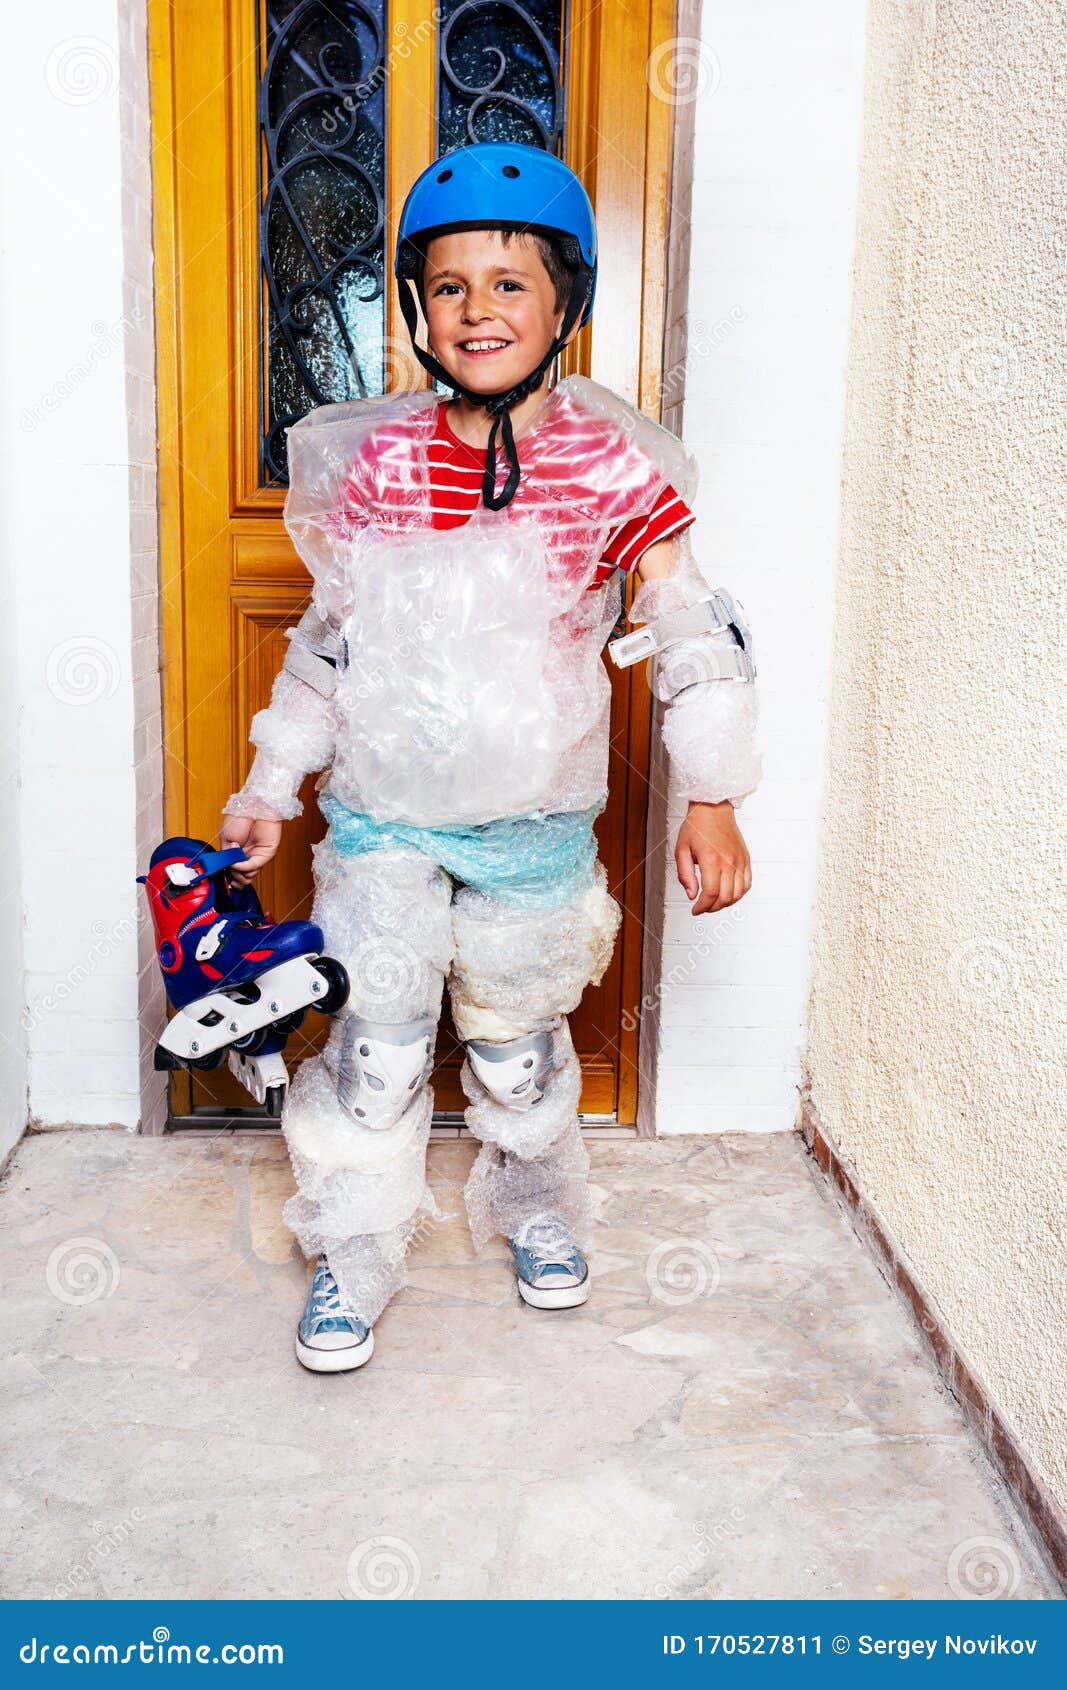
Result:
pixel 475 687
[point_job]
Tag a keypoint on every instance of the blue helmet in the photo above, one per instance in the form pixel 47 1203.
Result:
pixel 500 185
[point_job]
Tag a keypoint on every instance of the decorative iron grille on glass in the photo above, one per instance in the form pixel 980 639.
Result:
pixel 321 112
pixel 321 108
pixel 499 73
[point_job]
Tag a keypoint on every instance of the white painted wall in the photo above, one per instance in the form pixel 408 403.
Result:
pixel 13 1062
pixel 77 489
pixel 756 348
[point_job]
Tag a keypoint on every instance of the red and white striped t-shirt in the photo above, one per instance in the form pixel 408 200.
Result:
pixel 455 476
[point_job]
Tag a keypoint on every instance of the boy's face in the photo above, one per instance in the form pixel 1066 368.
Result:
pixel 490 308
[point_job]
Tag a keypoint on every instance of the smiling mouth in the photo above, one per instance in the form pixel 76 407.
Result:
pixel 481 348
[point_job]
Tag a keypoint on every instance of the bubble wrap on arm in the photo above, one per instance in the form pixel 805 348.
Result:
pixel 293 735
pixel 296 733
pixel 709 730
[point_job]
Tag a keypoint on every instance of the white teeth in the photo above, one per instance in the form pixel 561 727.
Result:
pixel 481 345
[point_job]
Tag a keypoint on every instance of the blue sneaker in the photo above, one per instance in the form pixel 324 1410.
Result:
pixel 329 1339
pixel 553 1273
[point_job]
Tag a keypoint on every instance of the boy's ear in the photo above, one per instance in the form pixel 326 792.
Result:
pixel 573 332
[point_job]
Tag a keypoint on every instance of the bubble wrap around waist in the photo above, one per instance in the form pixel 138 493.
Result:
pixel 534 861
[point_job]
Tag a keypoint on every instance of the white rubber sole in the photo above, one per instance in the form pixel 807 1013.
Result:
pixel 335 1361
pixel 563 1297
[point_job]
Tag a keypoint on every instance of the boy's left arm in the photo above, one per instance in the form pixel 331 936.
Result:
pixel 709 726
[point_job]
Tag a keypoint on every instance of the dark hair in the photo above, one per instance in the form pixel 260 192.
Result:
pixel 561 274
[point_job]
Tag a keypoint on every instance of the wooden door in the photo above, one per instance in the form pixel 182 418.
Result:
pixel 285 136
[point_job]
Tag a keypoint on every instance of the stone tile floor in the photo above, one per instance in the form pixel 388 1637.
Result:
pixel 741 1410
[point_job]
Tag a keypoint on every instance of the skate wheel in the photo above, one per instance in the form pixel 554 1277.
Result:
pixel 251 1041
pixel 336 977
pixel 274 1100
pixel 214 1059
pixel 289 1023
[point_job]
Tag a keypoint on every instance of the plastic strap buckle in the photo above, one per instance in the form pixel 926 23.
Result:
pixel 318 668
pixel 732 662
pixel 715 614
pixel 184 875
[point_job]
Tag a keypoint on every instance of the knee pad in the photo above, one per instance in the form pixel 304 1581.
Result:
pixel 381 1068
pixel 516 1072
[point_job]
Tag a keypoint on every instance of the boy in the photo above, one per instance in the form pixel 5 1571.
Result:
pixel 448 677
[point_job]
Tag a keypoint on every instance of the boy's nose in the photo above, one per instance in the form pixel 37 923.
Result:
pixel 475 309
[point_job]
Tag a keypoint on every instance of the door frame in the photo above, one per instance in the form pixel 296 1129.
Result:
pixel 616 144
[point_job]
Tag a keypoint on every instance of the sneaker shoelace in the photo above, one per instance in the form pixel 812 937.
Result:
pixel 548 1238
pixel 326 1300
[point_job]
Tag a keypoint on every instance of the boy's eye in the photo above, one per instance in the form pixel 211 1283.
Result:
pixel 453 287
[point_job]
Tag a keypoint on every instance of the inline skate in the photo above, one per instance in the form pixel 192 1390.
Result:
pixel 239 982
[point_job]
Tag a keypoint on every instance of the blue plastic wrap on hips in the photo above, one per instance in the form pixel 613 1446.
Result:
pixel 533 861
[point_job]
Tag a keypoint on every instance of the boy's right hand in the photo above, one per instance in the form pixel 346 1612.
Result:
pixel 259 840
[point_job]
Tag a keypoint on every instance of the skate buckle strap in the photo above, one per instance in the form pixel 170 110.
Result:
pixel 212 940
pixel 219 931
pixel 184 875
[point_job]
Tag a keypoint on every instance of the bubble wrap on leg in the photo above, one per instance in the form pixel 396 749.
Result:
pixel 361 1193
pixel 386 916
pixel 519 971
pixel 530 1160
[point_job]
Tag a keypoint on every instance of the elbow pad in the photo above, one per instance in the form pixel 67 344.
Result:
pixel 691 633
pixel 315 653
pixel 697 640
pixel 705 640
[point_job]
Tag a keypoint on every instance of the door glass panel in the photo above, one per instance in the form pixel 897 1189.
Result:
pixel 321 113
pixel 498 73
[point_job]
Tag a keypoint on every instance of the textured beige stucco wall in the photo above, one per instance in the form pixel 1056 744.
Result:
pixel 939 1006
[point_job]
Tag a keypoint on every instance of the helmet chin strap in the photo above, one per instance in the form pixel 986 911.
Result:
pixel 498 405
